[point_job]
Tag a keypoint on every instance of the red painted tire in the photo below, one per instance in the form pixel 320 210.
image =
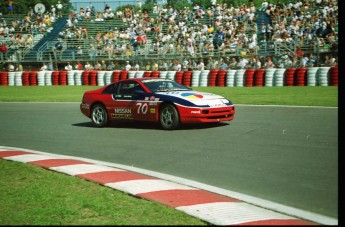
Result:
pixel 63 78
pixel 33 78
pixel 86 77
pixel 179 76
pixel 249 78
pixel 300 76
pixel 212 77
pixel 289 76
pixel 25 78
pixel 4 78
pixel 259 76
pixel 123 74
pixel 93 78
pixel 220 79
pixel 116 76
pixel 147 74
pixel 187 78
pixel 334 81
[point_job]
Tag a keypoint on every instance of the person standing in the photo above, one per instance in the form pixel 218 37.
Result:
pixel 201 65
pixel 10 6
pixel 59 9
pixel 68 67
pixel 10 67
pixel 19 68
pixel 44 67
pixel 128 66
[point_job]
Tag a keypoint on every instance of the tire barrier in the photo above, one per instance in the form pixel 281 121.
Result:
pixel 4 78
pixel 55 78
pixel 41 78
pixel 289 76
pixel 212 77
pixel 33 78
pixel 204 78
pixel 334 76
pixel 300 76
pixel 239 77
pixel 323 76
pixel 86 78
pixel 221 76
pixel 116 76
pixel 147 74
pixel 230 78
pixel 131 74
pixel 77 77
pixel 249 78
pixel 195 78
pixel 259 76
pixel 139 74
pixel 100 78
pixel 171 75
pixel 11 76
pixel 187 78
pixel 25 77
pixel 123 74
pixel 312 76
pixel 70 78
pixel 155 74
pixel 93 78
pixel 163 74
pixel 269 75
pixel 179 76
pixel 18 81
pixel 63 78
pixel 48 78
pixel 278 79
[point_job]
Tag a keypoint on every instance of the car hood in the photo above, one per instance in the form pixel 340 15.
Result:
pixel 197 98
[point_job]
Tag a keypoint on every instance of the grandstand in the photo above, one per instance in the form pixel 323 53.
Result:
pixel 112 39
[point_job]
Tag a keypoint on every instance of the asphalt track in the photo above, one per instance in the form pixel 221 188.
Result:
pixel 280 158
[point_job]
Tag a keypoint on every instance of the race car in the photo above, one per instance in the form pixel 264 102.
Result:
pixel 155 100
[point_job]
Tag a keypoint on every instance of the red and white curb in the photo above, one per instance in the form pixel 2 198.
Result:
pixel 211 207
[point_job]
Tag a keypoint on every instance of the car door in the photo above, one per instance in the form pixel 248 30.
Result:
pixel 130 102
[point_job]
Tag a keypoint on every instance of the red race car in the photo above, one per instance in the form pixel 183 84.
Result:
pixel 155 100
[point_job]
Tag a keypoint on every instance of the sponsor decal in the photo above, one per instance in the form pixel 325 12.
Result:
pixel 152 98
pixel 192 95
pixel 126 116
pixel 152 110
pixel 195 112
pixel 153 103
pixel 123 111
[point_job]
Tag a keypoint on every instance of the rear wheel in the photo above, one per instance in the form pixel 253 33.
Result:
pixel 168 117
pixel 99 116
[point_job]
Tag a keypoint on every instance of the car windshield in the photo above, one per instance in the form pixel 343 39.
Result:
pixel 160 85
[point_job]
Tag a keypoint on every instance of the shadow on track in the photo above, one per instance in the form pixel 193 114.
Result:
pixel 152 125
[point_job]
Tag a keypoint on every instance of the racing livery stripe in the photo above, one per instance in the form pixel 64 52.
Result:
pixel 208 206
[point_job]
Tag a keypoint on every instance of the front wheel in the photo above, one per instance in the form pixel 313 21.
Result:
pixel 99 116
pixel 169 117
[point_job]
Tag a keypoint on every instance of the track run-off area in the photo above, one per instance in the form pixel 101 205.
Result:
pixel 282 158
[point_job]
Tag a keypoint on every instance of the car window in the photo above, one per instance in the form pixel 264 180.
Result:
pixel 110 89
pixel 126 90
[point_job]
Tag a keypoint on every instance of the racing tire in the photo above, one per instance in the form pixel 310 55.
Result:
pixel 169 117
pixel 99 116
